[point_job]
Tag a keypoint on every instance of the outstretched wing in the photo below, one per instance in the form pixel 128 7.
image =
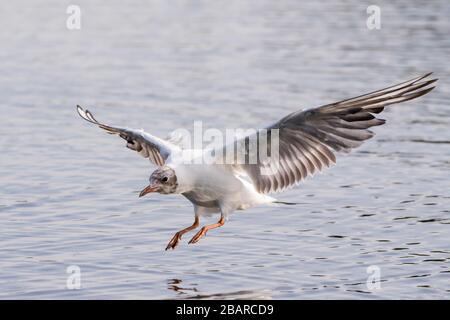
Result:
pixel 155 149
pixel 308 139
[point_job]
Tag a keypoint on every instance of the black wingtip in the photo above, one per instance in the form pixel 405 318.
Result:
pixel 426 75
pixel 85 115
pixel 80 111
pixel 429 89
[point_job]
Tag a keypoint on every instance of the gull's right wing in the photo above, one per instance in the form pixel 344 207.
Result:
pixel 155 149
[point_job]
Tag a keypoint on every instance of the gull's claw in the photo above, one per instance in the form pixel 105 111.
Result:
pixel 174 241
pixel 198 235
pixel 177 237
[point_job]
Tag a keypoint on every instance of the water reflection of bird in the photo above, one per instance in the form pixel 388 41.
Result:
pixel 307 143
pixel 175 285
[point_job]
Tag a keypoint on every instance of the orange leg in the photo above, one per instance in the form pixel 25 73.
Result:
pixel 177 237
pixel 205 229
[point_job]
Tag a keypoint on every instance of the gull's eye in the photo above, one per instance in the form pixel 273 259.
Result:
pixel 165 179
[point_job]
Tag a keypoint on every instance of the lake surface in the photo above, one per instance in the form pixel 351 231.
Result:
pixel 68 192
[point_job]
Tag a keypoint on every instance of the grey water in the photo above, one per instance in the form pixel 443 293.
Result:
pixel 68 192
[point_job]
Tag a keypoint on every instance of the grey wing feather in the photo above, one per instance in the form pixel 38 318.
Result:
pixel 309 139
pixel 155 149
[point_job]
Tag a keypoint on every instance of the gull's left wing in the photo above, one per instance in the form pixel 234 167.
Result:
pixel 155 149
pixel 309 139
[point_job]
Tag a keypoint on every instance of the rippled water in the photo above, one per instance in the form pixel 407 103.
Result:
pixel 69 192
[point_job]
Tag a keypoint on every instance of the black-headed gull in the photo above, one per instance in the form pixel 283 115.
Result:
pixel 307 142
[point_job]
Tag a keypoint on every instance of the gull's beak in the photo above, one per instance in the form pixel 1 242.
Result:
pixel 148 189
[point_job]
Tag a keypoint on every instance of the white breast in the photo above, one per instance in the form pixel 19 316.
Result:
pixel 216 182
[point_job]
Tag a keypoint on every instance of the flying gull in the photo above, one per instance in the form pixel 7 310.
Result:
pixel 307 142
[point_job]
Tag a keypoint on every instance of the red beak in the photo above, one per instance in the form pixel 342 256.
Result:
pixel 148 189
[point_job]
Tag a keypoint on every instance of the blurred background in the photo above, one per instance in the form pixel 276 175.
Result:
pixel 68 192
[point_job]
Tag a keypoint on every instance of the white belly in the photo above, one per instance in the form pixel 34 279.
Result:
pixel 212 186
